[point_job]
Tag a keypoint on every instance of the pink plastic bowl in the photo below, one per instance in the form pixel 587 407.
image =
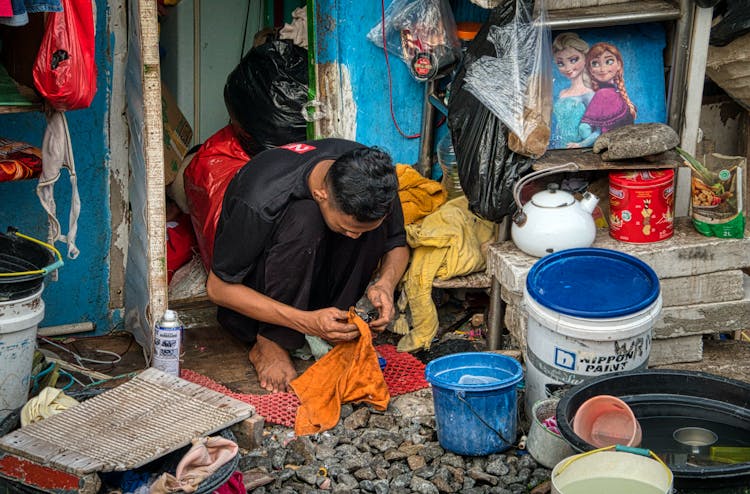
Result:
pixel 606 420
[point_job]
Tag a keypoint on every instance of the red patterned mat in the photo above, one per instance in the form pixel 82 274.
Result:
pixel 403 373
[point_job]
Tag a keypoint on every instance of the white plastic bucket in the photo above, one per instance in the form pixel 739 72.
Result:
pixel 19 320
pixel 562 348
pixel 611 472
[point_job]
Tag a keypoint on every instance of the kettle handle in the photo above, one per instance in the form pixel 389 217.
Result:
pixel 519 217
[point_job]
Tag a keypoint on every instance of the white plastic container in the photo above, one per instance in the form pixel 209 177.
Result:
pixel 590 312
pixel 611 472
pixel 19 320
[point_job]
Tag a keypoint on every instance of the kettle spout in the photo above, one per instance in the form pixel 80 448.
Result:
pixel 589 202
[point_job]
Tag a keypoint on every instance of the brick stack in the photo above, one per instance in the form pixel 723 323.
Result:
pixel 704 289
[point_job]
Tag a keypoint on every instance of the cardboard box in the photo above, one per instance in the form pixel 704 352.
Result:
pixel 177 135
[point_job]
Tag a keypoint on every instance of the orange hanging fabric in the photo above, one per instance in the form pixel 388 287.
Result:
pixel 349 373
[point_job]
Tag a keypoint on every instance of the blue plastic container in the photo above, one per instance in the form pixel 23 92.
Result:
pixel 476 407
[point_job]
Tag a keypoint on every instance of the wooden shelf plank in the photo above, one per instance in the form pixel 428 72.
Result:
pixel 20 108
pixel 614 14
pixel 587 160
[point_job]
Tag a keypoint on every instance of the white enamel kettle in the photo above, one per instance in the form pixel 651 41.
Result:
pixel 553 219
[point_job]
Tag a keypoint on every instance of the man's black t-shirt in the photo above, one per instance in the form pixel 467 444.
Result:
pixel 258 196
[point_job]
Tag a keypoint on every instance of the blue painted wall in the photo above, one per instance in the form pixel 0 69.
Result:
pixel 82 292
pixel 347 23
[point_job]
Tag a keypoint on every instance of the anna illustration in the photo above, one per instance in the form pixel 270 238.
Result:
pixel 610 107
pixel 569 53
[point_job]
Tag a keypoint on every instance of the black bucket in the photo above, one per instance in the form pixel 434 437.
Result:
pixel 18 255
pixel 665 400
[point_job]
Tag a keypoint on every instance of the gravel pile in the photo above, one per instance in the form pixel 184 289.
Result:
pixel 394 452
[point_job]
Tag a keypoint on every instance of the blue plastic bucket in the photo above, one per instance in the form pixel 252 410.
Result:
pixel 475 398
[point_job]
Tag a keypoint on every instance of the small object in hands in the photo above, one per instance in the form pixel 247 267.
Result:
pixel 636 141
pixel 368 316
pixel 381 360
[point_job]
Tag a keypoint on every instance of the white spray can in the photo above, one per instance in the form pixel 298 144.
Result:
pixel 168 343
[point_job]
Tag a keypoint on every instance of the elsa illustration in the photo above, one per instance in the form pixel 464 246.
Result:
pixel 610 107
pixel 569 53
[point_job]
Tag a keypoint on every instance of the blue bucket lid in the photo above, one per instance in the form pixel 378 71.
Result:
pixel 592 283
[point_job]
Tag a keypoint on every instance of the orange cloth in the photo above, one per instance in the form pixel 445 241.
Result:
pixel 348 373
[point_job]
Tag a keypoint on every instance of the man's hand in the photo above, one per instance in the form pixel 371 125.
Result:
pixel 332 325
pixel 382 299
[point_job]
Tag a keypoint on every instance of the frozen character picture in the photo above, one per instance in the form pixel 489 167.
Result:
pixel 569 55
pixel 610 107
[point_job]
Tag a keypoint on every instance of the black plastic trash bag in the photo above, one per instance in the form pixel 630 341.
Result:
pixel 733 21
pixel 487 168
pixel 266 92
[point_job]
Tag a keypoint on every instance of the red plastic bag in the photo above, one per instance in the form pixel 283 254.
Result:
pixel 206 179
pixel 180 244
pixel 65 69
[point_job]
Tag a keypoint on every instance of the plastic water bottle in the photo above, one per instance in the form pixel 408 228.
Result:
pixel 448 163
pixel 168 343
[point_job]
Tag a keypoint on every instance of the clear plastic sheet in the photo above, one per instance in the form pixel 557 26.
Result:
pixel 515 82
pixel 487 167
pixel 422 33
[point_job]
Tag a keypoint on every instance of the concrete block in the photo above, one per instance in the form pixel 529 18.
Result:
pixel 722 286
pixel 716 317
pixel 676 350
pixel 516 324
pixel 687 253
pixel 510 298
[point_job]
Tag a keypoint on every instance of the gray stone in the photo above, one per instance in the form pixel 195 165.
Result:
pixel 357 419
pixel 378 421
pixel 636 141
pixel 307 474
pixel 423 486
pixel 415 404
pixel 365 473
pixel 497 467
pixel 482 477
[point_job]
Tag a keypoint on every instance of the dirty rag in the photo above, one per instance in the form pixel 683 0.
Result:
pixel 50 401
pixel 57 153
pixel 419 195
pixel 348 373
pixel 445 244
pixel 297 30
pixel 207 455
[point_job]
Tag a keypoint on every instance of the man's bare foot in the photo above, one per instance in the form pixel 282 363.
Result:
pixel 273 365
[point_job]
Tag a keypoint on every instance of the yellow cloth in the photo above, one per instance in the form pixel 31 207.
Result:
pixel 207 455
pixel 446 244
pixel 419 196
pixel 348 373
pixel 49 402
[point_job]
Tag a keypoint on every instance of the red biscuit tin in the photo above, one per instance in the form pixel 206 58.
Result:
pixel 641 205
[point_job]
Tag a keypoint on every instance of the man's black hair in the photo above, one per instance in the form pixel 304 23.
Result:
pixel 363 183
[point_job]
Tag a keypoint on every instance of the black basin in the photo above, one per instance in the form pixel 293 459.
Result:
pixel 20 255
pixel 664 401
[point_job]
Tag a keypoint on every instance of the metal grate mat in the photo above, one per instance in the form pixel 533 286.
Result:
pixel 128 426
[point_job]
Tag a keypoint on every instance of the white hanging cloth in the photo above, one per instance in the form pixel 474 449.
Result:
pixel 57 153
